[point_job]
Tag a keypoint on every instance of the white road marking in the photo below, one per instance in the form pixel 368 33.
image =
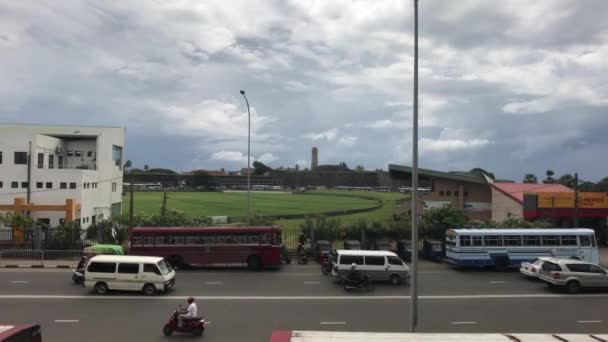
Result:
pixel 461 323
pixel 497 282
pixel 214 283
pixel 66 321
pixel 425 297
pixel 589 321
pixel 20 281
pixel 332 323
pixel 312 282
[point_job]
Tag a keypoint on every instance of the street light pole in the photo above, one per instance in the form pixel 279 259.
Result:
pixel 248 160
pixel 414 199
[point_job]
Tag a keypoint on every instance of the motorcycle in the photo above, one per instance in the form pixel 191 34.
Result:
pixel 78 276
pixel 195 326
pixel 326 267
pixel 364 283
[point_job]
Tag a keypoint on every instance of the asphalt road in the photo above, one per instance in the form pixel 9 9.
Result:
pixel 247 306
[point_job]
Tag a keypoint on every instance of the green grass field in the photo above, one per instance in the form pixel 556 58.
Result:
pixel 196 204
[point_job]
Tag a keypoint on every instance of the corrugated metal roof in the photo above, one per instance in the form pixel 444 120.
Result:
pixel 517 190
pixel 458 176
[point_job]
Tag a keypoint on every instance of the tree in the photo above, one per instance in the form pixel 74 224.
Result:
pixel 567 180
pixel 127 165
pixel 343 165
pixel 437 220
pixel 359 168
pixel 482 171
pixel 260 168
pixel 146 167
pixel 530 178
pixel 549 179
pixel 201 178
pixel 602 185
pixel 162 171
pixel 297 167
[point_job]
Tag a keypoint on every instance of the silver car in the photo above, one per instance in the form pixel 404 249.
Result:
pixel 532 268
pixel 573 275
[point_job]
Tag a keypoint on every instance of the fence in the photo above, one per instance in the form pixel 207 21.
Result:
pixel 40 258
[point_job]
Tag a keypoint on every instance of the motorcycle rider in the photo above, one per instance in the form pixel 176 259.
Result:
pixel 82 263
pixel 354 275
pixel 191 312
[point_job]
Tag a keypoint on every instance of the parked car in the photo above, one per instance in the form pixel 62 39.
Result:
pixel 532 268
pixel 573 275
pixel 377 265
pixel 352 244
pixel 432 250
pixel 322 250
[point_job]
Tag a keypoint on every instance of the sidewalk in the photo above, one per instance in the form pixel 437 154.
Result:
pixel 17 263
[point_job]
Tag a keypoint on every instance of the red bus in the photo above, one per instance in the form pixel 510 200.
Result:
pixel 254 247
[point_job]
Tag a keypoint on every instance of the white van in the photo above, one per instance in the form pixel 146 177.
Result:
pixel 378 265
pixel 130 273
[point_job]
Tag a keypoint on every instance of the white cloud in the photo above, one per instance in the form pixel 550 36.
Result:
pixel 330 135
pixel 347 140
pixel 451 145
pixel 230 156
pixel 267 158
pixel 303 163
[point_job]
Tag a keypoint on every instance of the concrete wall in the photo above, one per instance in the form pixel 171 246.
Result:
pixel 504 206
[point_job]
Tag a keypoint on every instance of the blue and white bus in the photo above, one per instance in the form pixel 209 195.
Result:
pixel 505 248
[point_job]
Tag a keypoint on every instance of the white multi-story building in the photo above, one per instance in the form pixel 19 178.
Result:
pixel 67 164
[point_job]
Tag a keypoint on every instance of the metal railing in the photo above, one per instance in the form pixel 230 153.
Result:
pixel 19 257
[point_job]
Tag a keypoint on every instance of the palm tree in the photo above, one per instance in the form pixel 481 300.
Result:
pixel 530 178
pixel 549 179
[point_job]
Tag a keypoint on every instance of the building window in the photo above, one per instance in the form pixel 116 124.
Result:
pixel 77 153
pixel 0 157
pixel 49 185
pixel 84 185
pixel 40 160
pixel 456 193
pixel 113 186
pixel 1 185
pixel 63 185
pixel 51 161
pixel 117 156
pixel 72 185
pixel 60 162
pixel 14 185
pixel 466 194
pixel 61 221
pixel 70 153
pixel 448 193
pixel 91 154
pixel 440 193
pixel 24 185
pixel 38 185
pixel 20 157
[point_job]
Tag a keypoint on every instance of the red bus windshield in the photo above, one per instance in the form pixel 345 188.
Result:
pixel 254 247
pixel 20 333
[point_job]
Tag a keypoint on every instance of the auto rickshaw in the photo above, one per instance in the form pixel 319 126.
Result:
pixel 322 250
pixel 432 250
pixel 404 250
pixel 352 244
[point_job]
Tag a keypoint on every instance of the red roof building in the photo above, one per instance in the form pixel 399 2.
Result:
pixel 508 198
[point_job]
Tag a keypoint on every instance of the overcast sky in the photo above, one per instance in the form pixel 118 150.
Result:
pixel 509 86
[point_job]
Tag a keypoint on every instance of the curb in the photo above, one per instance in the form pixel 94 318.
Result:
pixel 35 266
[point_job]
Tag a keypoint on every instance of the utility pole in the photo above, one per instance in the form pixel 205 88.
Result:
pixel 29 176
pixel 414 199
pixel 131 203
pixel 163 209
pixel 576 204
pixel 248 160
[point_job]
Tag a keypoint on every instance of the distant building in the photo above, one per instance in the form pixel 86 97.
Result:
pixel 314 159
pixel 221 172
pixel 75 172
pixel 508 198
pixel 468 192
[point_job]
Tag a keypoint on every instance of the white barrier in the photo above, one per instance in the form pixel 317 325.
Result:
pixel 21 257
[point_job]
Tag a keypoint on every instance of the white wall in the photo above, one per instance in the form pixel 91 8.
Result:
pixel 504 206
pixel 94 201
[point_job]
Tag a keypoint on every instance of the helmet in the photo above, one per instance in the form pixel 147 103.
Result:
pixel 353 266
pixel 190 300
